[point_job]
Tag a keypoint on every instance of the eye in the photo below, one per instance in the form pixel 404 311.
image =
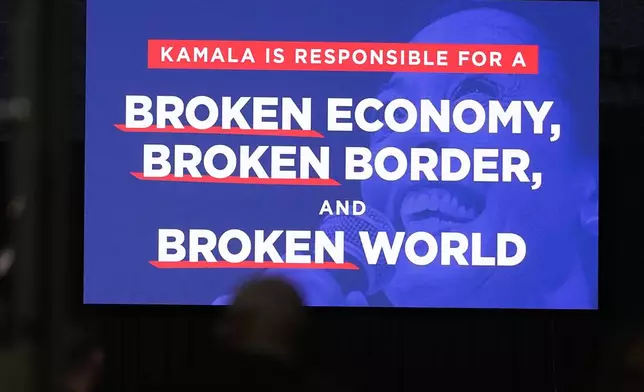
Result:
pixel 476 85
pixel 400 115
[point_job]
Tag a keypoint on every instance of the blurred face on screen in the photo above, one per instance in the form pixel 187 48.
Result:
pixel 541 217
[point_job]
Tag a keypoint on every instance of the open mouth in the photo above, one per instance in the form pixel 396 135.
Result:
pixel 435 208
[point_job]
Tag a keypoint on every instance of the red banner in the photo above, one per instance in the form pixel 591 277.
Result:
pixel 343 56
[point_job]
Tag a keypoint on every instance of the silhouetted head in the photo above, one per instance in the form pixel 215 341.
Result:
pixel 265 317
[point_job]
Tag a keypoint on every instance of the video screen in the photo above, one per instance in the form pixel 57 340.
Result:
pixel 411 154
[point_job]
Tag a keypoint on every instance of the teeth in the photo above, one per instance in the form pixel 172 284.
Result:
pixel 433 221
pixel 434 200
pixel 453 205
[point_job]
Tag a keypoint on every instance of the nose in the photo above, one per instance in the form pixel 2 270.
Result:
pixel 432 144
pixel 414 139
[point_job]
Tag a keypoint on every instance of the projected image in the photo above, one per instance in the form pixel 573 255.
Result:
pixel 441 158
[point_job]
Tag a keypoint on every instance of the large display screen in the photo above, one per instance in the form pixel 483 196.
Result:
pixel 400 154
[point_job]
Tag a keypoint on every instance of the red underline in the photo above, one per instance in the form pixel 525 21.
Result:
pixel 239 180
pixel 327 265
pixel 221 131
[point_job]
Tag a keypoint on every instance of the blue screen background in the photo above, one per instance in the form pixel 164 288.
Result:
pixel 123 214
